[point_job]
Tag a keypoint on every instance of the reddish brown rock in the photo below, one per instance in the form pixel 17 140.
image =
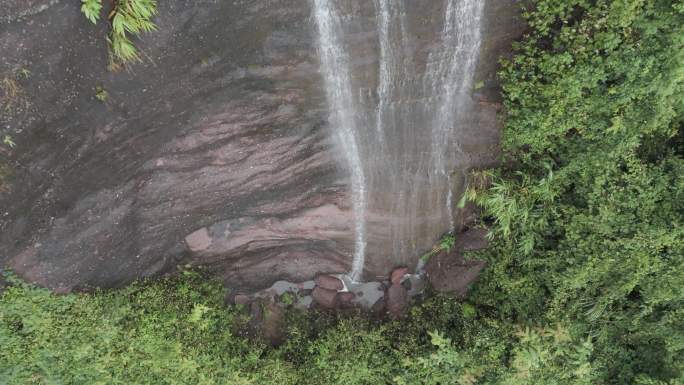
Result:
pixel 398 274
pixel 329 282
pixel 397 301
pixel 272 329
pixel 256 313
pixel 324 297
pixel 379 307
pixel 451 273
pixel 199 240
pixel 345 297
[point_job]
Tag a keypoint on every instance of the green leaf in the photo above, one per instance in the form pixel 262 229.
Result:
pixel 91 9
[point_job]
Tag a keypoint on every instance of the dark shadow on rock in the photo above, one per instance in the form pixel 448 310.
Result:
pixel 397 301
pixel 266 322
pixel 450 272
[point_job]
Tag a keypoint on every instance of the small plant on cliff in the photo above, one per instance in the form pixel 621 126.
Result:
pixel 8 141
pixel 5 171
pixel 447 243
pixel 12 96
pixel 128 18
pixel 101 94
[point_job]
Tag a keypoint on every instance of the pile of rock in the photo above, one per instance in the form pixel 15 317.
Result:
pixel 267 307
pixel 339 292
pixel 447 272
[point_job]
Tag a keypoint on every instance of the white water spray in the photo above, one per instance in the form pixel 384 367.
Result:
pixel 461 32
pixel 337 78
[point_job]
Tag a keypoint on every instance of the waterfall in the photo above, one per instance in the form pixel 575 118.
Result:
pixel 337 77
pixel 401 150
pixel 461 33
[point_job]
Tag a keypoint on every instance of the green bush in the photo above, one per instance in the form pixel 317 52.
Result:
pixel 588 214
pixel 152 334
pixel 178 331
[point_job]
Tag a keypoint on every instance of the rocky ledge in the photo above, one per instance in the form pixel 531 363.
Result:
pixel 446 272
pixel 215 151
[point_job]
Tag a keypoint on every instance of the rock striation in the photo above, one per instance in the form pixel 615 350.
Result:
pixel 215 151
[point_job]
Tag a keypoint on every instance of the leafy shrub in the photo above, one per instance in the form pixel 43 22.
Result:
pixel 541 356
pixel 588 215
pixel 152 334
pixel 178 331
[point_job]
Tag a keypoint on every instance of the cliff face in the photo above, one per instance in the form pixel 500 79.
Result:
pixel 216 150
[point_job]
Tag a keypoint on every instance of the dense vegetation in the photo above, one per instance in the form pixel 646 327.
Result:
pixel 586 277
pixel 180 332
pixel 589 211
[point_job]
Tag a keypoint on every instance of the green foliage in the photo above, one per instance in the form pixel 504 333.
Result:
pixel 541 356
pixel 288 299
pixel 447 243
pixel 178 331
pixel 131 17
pixel 101 94
pixel 156 334
pixel 444 366
pixel 128 18
pixel 91 9
pixel 8 141
pixel 588 215
pixel 349 355
pixel 551 356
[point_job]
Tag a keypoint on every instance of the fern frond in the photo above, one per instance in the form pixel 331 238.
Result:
pixel 131 17
pixel 91 9
pixel 128 18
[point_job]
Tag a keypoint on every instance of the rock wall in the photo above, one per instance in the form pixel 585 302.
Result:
pixel 215 150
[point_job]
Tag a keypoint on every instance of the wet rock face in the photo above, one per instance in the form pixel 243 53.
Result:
pixel 214 151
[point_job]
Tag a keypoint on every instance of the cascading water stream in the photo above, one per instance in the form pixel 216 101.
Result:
pixel 400 152
pixel 461 32
pixel 338 86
